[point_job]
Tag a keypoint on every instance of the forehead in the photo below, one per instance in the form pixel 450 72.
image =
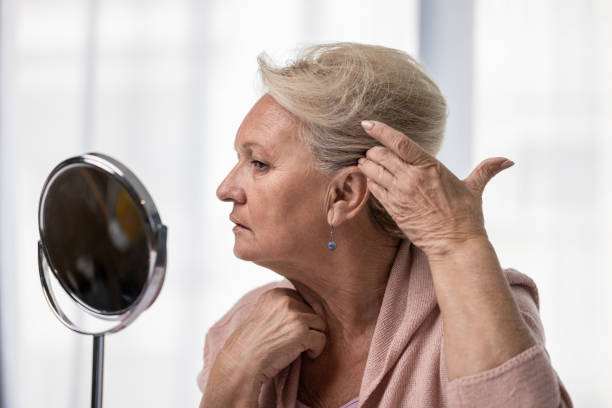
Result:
pixel 267 125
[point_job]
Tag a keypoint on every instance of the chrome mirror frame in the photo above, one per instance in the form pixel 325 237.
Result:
pixel 156 234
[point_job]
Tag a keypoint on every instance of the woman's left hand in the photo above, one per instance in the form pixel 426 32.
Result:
pixel 433 208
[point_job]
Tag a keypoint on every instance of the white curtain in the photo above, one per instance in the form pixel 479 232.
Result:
pixel 162 86
pixel 543 98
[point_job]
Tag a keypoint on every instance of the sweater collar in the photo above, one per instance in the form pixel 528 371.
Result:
pixel 408 300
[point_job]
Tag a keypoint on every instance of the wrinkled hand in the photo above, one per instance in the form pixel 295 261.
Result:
pixel 433 208
pixel 281 327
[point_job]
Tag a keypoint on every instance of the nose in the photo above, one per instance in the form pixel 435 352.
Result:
pixel 230 191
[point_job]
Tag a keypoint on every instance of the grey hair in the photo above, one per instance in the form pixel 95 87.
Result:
pixel 331 88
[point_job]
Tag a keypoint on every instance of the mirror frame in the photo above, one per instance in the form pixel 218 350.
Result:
pixel 155 231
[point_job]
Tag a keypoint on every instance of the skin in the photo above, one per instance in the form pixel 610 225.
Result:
pixel 442 215
pixel 286 207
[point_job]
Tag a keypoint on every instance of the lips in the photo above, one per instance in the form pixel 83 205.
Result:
pixel 237 222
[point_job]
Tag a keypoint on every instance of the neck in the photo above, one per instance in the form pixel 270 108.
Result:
pixel 346 287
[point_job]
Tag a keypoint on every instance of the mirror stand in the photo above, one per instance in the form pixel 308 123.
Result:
pixel 97 374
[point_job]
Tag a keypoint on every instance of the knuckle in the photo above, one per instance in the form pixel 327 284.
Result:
pixel 384 153
pixel 375 153
pixel 482 177
pixel 422 177
pixel 374 150
pixel 403 145
pixel 299 329
pixel 275 292
pixel 268 295
pixel 490 171
pixel 433 185
pixel 290 304
pixel 276 298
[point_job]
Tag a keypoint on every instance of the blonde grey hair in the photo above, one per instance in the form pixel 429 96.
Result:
pixel 331 88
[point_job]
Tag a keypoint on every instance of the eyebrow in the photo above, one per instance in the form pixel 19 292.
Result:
pixel 249 146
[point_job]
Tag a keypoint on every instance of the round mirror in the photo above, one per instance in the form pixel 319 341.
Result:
pixel 102 249
pixel 101 239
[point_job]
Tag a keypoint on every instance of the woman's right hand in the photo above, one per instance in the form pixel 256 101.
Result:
pixel 280 327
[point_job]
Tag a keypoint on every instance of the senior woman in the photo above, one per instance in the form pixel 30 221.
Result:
pixel 394 296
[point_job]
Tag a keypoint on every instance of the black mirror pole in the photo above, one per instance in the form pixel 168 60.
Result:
pixel 97 372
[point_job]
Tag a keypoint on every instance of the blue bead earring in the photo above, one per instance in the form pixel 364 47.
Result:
pixel 331 245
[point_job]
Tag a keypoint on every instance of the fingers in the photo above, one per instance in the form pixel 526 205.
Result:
pixel 302 310
pixel 284 293
pixel 314 321
pixel 399 143
pixel 376 171
pixel 485 171
pixel 383 166
pixel 316 343
pixel 381 193
pixel 386 158
pixel 380 179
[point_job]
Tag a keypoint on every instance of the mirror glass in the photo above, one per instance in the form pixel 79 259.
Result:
pixel 95 237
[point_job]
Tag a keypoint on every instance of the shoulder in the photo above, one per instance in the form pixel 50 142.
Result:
pixel 244 306
pixel 527 298
pixel 219 332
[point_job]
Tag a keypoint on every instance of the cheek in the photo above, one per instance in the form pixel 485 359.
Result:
pixel 288 212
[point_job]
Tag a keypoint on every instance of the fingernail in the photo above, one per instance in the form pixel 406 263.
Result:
pixel 361 160
pixel 506 164
pixel 367 124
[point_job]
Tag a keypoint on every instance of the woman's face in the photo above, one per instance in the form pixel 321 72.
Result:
pixel 277 195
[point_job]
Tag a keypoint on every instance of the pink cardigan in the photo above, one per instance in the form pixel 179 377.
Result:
pixel 405 365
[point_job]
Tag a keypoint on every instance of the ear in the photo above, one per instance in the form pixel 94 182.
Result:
pixel 348 193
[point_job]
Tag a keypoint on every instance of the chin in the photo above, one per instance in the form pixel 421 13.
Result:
pixel 244 252
pixel 255 255
pixel 241 254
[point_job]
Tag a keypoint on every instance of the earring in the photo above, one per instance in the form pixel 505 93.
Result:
pixel 331 245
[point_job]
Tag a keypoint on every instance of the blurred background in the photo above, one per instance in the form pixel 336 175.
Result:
pixel 162 85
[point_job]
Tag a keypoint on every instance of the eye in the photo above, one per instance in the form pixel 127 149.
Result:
pixel 259 165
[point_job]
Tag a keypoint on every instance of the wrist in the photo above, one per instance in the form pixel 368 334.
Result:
pixel 453 249
pixel 231 384
pixel 226 392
